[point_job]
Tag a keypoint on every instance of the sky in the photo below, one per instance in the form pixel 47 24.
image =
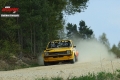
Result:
pixel 101 16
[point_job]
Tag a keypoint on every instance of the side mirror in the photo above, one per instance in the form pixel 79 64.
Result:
pixel 74 46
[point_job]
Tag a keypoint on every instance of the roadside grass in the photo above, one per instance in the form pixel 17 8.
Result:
pixel 52 78
pixel 13 63
pixel 90 76
pixel 15 67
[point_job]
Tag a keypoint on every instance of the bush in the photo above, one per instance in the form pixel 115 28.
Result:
pixel 8 49
pixel 90 76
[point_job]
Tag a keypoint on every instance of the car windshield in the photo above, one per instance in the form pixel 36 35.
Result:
pixel 57 44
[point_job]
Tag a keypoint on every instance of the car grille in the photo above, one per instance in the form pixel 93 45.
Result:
pixel 57 53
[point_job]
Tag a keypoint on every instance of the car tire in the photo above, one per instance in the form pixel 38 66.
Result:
pixel 46 63
pixel 73 60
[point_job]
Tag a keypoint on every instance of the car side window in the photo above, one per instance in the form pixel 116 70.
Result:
pixel 52 45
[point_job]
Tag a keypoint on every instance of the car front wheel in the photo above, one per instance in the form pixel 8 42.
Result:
pixel 73 60
pixel 46 63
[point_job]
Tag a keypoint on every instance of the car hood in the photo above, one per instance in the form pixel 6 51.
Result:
pixel 57 49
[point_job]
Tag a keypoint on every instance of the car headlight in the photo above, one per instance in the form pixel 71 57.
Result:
pixel 46 54
pixel 68 52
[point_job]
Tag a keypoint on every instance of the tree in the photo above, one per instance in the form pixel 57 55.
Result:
pixel 72 30
pixel 84 30
pixel 39 22
pixel 103 39
pixel 115 50
pixel 119 45
pixel 74 6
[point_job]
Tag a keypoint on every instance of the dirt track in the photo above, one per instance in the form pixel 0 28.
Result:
pixel 64 70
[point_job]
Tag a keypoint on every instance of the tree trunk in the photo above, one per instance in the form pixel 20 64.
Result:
pixel 34 42
pixel 31 42
pixel 19 42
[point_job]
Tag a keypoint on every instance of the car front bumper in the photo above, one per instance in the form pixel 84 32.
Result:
pixel 58 58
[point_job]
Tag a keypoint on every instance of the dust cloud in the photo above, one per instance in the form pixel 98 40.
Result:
pixel 40 60
pixel 92 50
pixel 89 51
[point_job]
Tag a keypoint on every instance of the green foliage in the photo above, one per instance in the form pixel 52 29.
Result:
pixel 118 74
pixel 8 49
pixel 74 6
pixel 72 30
pixel 39 22
pixel 14 67
pixel 115 49
pixel 99 76
pixel 82 32
pixel 42 79
pixel 56 78
pixel 90 76
pixel 53 78
pixel 119 45
pixel 86 77
pixel 103 39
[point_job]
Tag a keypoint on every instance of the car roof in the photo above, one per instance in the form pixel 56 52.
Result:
pixel 62 40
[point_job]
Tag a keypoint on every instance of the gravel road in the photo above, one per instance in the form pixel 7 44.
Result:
pixel 64 70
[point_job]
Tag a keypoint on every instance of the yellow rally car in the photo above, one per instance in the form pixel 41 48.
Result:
pixel 60 50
